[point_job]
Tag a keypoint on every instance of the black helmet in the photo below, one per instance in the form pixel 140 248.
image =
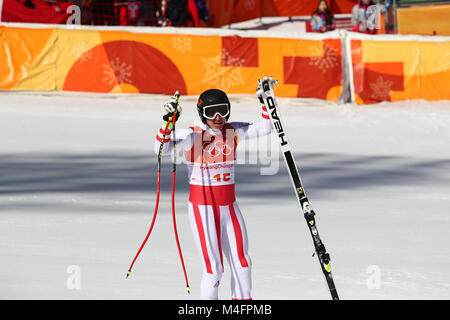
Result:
pixel 212 97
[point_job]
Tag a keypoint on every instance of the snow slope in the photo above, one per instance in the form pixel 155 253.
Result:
pixel 78 179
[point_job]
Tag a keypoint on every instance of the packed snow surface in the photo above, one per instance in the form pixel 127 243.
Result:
pixel 77 194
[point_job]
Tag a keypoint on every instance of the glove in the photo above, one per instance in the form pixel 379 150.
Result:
pixel 259 91
pixel 259 94
pixel 170 107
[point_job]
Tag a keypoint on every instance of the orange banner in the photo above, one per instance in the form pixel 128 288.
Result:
pixel 28 58
pixel 383 68
pixel 400 70
pixel 424 20
pixel 120 61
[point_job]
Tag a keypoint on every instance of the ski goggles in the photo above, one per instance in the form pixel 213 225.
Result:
pixel 210 112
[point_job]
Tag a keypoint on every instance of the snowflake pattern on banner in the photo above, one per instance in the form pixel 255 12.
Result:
pixel 315 50
pixel 229 60
pixel 182 44
pixel 223 77
pixel 329 60
pixel 81 52
pixel 381 89
pixel 117 72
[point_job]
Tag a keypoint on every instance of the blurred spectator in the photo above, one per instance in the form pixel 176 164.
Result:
pixel 103 12
pixel 189 13
pixel 203 11
pixel 148 11
pixel 174 12
pixel 132 12
pixel 365 16
pixel 322 19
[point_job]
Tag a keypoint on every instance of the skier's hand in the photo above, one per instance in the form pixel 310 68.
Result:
pixel 260 91
pixel 170 107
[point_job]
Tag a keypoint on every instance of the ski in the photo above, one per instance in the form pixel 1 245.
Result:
pixel 270 102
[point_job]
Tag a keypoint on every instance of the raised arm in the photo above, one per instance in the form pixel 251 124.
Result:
pixel 263 127
pixel 184 137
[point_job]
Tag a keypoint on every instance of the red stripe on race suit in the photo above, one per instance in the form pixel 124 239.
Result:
pixel 216 211
pixel 238 235
pixel 201 233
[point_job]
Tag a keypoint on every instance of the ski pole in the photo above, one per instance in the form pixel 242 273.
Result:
pixel 173 201
pixel 158 189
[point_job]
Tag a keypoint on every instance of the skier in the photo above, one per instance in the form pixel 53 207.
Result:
pixel 217 223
